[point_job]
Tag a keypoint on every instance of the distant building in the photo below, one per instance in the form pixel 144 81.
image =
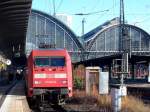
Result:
pixel 66 19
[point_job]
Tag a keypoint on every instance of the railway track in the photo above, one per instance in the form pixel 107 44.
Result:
pixel 49 108
pixel 55 108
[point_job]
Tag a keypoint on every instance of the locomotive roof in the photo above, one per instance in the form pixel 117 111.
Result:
pixel 49 49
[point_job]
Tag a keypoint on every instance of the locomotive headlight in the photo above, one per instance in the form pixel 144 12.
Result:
pixel 37 82
pixel 39 75
pixel 64 82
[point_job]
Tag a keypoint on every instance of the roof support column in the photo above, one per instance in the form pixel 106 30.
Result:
pixel 105 41
pixel 64 39
pixel 140 43
pixel 55 35
pixel 115 45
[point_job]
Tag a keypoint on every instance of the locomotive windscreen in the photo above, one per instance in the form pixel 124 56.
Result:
pixel 50 61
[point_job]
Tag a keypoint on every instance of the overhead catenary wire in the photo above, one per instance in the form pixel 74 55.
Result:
pixel 59 5
pixel 50 5
pixel 142 21
pixel 95 20
pixel 94 12
pixel 87 14
pixel 90 13
pixel 54 14
pixel 100 17
pixel 145 20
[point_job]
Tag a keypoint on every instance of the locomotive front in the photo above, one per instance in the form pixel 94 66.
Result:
pixel 51 75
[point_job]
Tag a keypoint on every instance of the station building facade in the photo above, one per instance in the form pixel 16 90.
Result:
pixel 104 46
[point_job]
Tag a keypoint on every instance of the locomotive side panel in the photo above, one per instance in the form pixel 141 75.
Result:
pixel 69 72
pixel 29 76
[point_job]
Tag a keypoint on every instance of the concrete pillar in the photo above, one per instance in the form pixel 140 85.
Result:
pixel 116 99
pixel 87 82
pixel 116 95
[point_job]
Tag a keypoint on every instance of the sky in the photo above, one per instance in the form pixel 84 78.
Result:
pixel 137 12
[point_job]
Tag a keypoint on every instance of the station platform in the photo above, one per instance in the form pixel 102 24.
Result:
pixel 4 89
pixel 15 100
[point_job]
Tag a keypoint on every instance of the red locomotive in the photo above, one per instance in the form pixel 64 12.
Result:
pixel 49 75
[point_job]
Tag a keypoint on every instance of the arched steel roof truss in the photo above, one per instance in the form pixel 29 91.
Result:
pixel 42 25
pixel 107 42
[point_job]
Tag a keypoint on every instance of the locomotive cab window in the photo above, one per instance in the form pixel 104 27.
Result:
pixel 57 61
pixel 41 61
pixel 50 61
